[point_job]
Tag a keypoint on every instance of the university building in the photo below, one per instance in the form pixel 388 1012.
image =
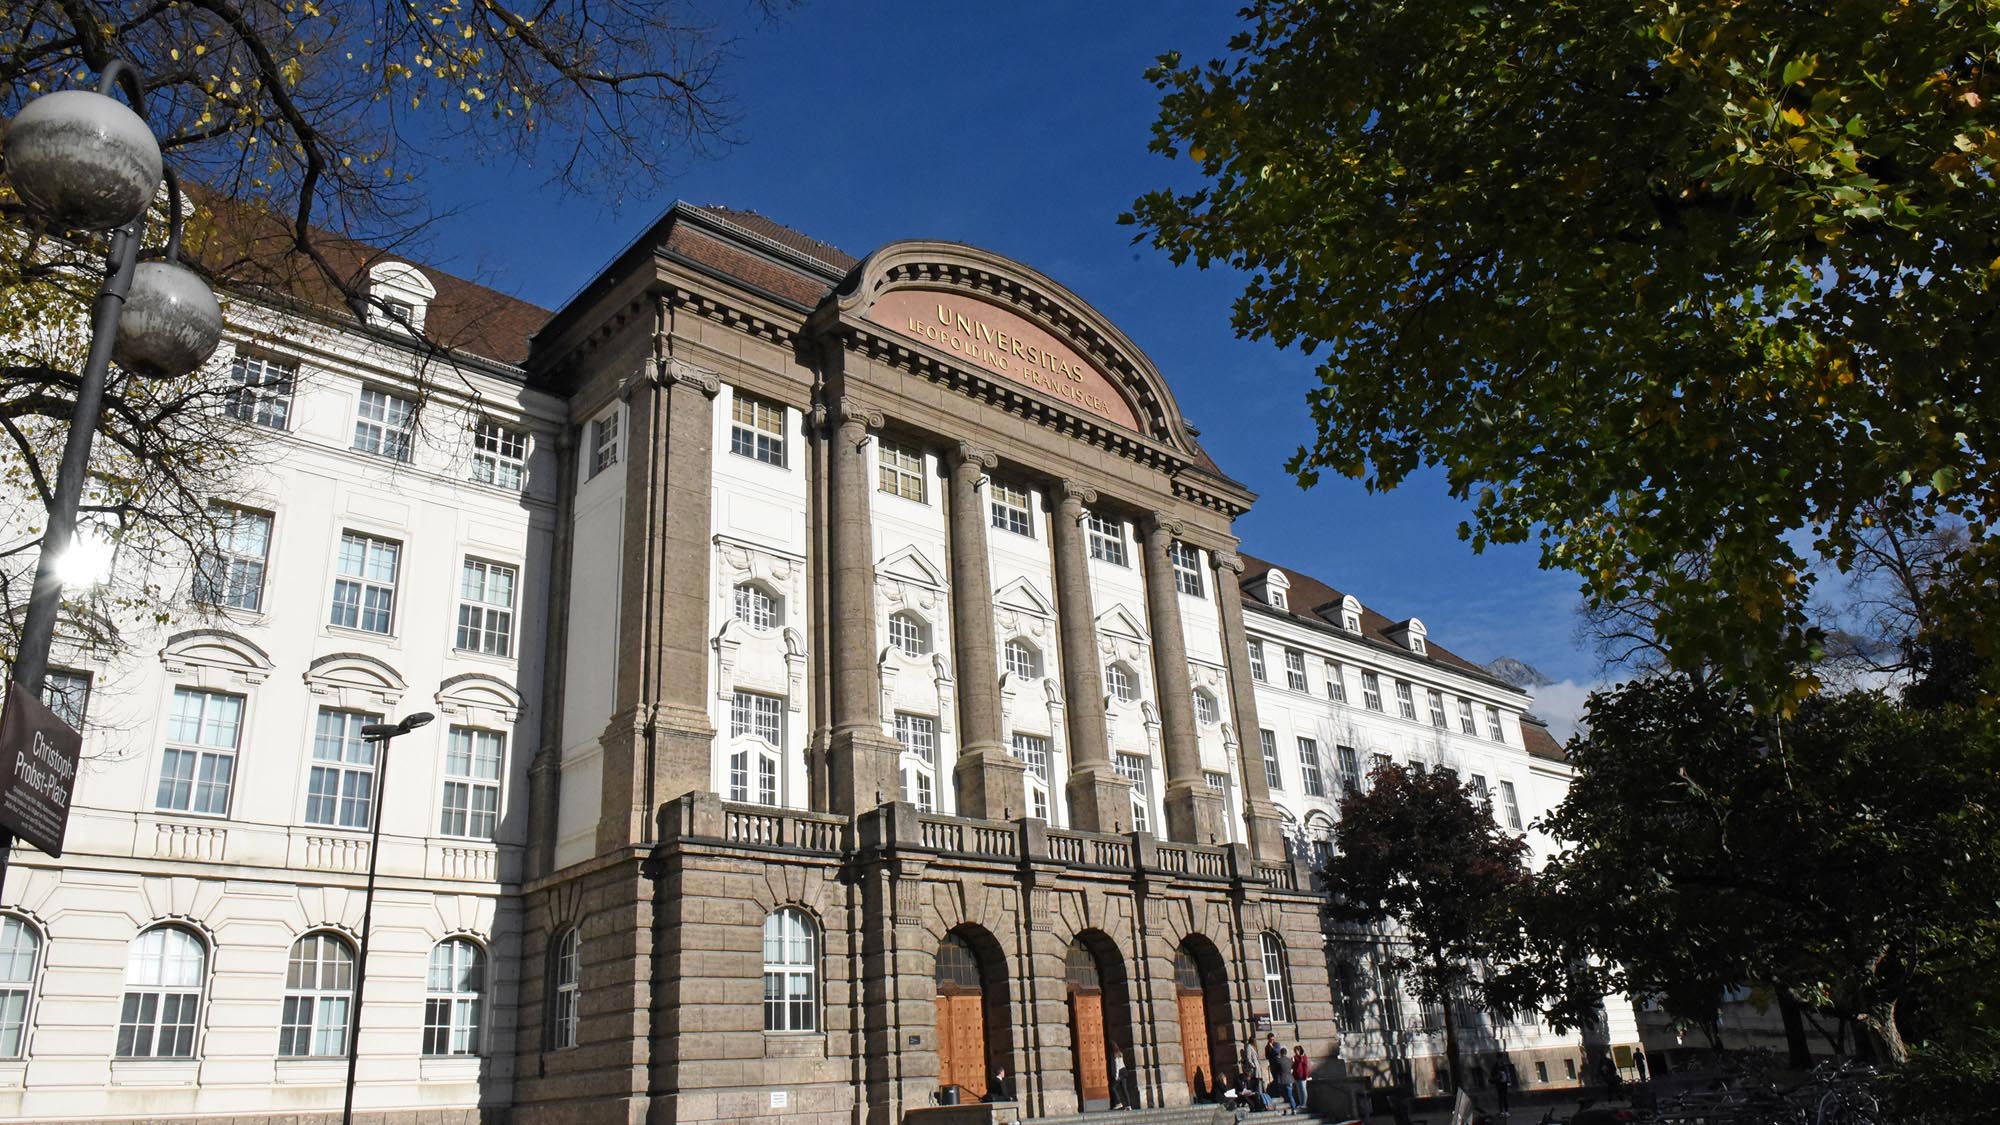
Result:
pixel 848 685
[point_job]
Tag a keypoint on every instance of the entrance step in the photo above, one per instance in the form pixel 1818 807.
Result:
pixel 1170 1115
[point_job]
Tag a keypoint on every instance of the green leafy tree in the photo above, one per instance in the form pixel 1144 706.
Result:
pixel 1419 852
pixel 1644 277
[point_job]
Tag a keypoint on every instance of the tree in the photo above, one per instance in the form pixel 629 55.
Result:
pixel 1644 277
pixel 1848 857
pixel 1421 852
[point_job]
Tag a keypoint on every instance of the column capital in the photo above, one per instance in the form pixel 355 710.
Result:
pixel 1067 490
pixel 850 409
pixel 1227 560
pixel 677 371
pixel 1161 521
pixel 966 453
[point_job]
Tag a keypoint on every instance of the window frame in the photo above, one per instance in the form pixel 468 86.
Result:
pixel 1466 722
pixel 216 572
pixel 18 992
pixel 1106 538
pixel 323 1003
pixel 1258 672
pixel 1371 690
pixel 1274 778
pixel 490 620
pixel 344 770
pixel 1028 667
pixel 390 431
pixel 265 399
pixel 461 778
pixel 1406 701
pixel 1137 769
pixel 910 634
pixel 499 454
pixel 206 758
pixel 462 1028
pixel 1186 562
pixel 1033 751
pixel 1121 682
pixel 1005 513
pixel 565 972
pixel 1494 730
pixel 1511 801
pixel 607 440
pixel 760 436
pixel 1206 711
pixel 796 974
pixel 188 1001
pixel 917 736
pixel 1435 699
pixel 70 704
pixel 902 471
pixel 750 601
pixel 363 584
pixel 1277 977
pixel 1336 684
pixel 748 711
pixel 1349 764
pixel 1295 670
pixel 1310 776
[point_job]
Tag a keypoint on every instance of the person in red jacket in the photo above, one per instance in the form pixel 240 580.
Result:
pixel 1300 1070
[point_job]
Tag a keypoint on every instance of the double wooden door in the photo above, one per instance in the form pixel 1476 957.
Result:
pixel 961 1025
pixel 1086 1035
pixel 1194 1041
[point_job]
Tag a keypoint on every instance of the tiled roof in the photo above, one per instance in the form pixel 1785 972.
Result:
pixel 1540 743
pixel 825 252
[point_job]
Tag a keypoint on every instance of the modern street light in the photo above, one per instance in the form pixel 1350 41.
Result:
pixel 84 162
pixel 381 734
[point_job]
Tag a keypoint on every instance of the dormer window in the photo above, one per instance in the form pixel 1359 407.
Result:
pixel 1350 614
pixel 399 296
pixel 1277 589
pixel 1413 635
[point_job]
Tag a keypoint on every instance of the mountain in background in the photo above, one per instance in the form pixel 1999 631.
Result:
pixel 1520 673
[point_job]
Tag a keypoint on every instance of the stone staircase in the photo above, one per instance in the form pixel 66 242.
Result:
pixel 1181 1115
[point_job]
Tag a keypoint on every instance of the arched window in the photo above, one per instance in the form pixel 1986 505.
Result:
pixel 164 971
pixel 1277 979
pixel 20 956
pixel 753 776
pixel 319 992
pixel 1023 662
pixel 452 994
pixel 790 967
pixel 756 606
pixel 1121 683
pixel 908 632
pixel 566 961
pixel 1204 709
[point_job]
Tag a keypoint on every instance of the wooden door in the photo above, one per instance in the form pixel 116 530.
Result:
pixel 962 1043
pixel 1086 1036
pixel 1194 1040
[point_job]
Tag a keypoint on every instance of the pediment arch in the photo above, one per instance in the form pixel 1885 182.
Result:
pixel 479 698
pixel 355 681
pixel 215 658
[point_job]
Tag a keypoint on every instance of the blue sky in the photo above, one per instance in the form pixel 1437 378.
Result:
pixel 1022 128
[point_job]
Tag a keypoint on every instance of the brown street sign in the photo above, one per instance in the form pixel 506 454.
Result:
pixel 38 756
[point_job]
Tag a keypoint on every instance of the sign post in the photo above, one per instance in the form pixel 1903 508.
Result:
pixel 38 758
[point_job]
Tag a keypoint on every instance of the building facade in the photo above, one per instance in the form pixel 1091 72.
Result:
pixel 849 688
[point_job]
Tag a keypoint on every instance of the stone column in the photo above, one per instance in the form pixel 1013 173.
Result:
pixel 989 781
pixel 1259 814
pixel 862 761
pixel 1099 799
pixel 1194 811
pixel 545 769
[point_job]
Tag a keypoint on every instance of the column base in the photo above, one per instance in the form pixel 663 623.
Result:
pixel 990 784
pixel 649 759
pixel 862 771
pixel 1195 814
pixel 1263 826
pixel 1100 800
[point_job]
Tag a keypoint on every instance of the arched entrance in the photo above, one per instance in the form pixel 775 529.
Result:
pixel 974 1038
pixel 1100 1020
pixel 1201 985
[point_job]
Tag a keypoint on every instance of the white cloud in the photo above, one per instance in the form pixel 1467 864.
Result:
pixel 1561 706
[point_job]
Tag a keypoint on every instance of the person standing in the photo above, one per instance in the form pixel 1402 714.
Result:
pixel 1278 1065
pixel 1503 1083
pixel 1364 1103
pixel 1301 1069
pixel 1639 1064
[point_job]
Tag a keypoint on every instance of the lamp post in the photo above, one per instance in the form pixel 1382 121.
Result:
pixel 85 162
pixel 381 734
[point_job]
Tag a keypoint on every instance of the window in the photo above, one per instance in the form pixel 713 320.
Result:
pixel 20 956
pixel 1107 538
pixel 757 430
pixel 909 633
pixel 1541 1073
pixel 1336 689
pixel 753 777
pixel 364 594
pixel 754 715
pixel 66 693
pixel 1371 691
pixel 900 471
pixel 1510 804
pixel 1121 683
pixel 1272 778
pixel 200 763
pixel 1377 763
pixel 1133 768
pixel 472 783
pixel 1011 509
pixel 566 960
pixel 1216 780
pixel 1023 662
pixel 1295 669
pixel 790 964
pixel 1315 785
pixel 340 792
pixel 755 606
pixel 319 989
pixel 260 391
pixel 1187 568
pixel 1278 598
pixel 1569 1069
pixel 452 997
pixel 917 734
pixel 1436 699
pixel 499 454
pixel 1204 709
pixel 1485 797
pixel 399 312
pixel 1348 984
pixel 486 608
pixel 233 573
pixel 384 425
pixel 1350 768
pixel 604 438
pixel 1493 730
pixel 1406 706
pixel 1033 750
pixel 1257 661
pixel 1465 720
pixel 1277 980
pixel 164 971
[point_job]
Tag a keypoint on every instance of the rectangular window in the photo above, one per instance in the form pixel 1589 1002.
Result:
pixel 1315 785
pixel 384 425
pixel 340 792
pixel 1187 568
pixel 1465 720
pixel 260 391
pixel 364 594
pixel 1257 661
pixel 486 608
pixel 1033 750
pixel 1295 669
pixel 1107 538
pixel 233 574
pixel 1336 689
pixel 756 715
pixel 1493 730
pixel 1405 704
pixel 472 783
pixel 1216 780
pixel 1011 509
pixel 1510 804
pixel 1480 791
pixel 757 430
pixel 66 693
pixel 1378 762
pixel 1272 779
pixel 200 764
pixel 900 471
pixel 1436 699
pixel 1350 769
pixel 499 455
pixel 604 442
pixel 918 736
pixel 1371 691
pixel 1133 768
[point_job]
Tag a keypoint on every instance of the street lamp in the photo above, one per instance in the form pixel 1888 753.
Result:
pixel 84 162
pixel 381 734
